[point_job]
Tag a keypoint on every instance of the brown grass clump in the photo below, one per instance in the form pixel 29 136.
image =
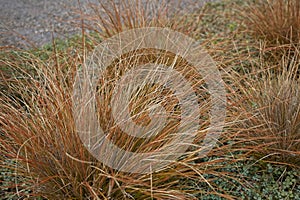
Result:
pixel 41 148
pixel 276 21
pixel 111 18
pixel 267 110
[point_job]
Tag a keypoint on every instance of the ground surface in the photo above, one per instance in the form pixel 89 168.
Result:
pixel 38 20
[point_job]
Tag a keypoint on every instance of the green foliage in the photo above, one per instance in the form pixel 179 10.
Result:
pixel 278 183
pixel 257 180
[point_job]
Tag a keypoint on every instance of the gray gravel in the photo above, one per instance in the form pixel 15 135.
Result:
pixel 25 22
pixel 35 20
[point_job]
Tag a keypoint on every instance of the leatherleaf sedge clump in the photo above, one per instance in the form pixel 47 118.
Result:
pixel 41 151
pixel 45 155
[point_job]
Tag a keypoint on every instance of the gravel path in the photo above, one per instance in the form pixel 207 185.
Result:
pixel 38 20
pixel 35 20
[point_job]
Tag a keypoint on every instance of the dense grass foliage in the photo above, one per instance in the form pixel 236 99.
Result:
pixel 257 156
